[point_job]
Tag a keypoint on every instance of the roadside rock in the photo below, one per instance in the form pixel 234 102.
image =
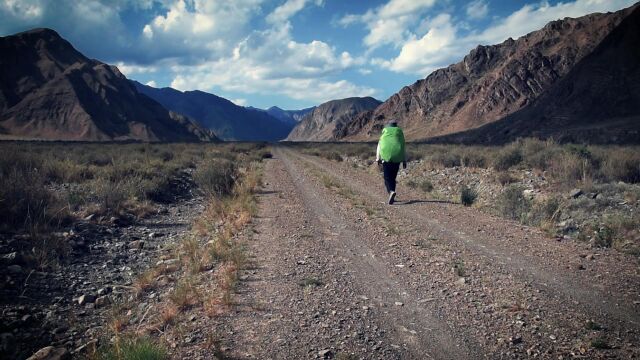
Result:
pixel 86 299
pixel 51 353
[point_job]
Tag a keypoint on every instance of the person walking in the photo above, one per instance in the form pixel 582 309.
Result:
pixel 390 154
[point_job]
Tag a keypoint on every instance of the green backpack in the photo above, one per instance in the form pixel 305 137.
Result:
pixel 392 145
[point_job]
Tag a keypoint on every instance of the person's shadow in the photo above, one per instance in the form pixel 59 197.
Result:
pixel 409 202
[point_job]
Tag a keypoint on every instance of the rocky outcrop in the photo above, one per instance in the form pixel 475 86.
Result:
pixel 49 90
pixel 328 119
pixel 598 101
pixel 490 83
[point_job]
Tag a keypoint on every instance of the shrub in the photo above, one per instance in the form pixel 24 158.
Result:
pixel 473 158
pixel 446 159
pixel 545 211
pixel 135 349
pixel 507 157
pixel 216 177
pixel 426 186
pixel 25 203
pixel 622 166
pixel 504 178
pixel 333 156
pixel 569 168
pixel 512 203
pixel 468 196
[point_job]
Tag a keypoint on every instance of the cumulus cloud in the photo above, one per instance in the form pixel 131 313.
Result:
pixel 198 29
pixel 285 11
pixel 130 69
pixel 389 23
pixel 269 62
pixel 23 9
pixel 477 9
pixel 239 102
pixel 442 44
pixel 151 83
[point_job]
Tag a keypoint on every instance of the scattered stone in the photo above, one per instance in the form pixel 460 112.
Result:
pixel 398 303
pixel 102 301
pixel 325 354
pixel 51 353
pixel 104 291
pixel 461 281
pixel 138 244
pixel 552 337
pixel 155 235
pixel 589 257
pixel 89 217
pixel 86 299
pixel 575 193
pixel 15 269
pixel 515 340
pixel 12 258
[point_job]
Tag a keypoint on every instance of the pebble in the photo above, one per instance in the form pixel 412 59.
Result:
pixel 398 303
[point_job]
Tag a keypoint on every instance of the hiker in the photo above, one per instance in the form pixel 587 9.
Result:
pixel 390 154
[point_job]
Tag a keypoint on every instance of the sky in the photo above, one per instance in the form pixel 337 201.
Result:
pixel 288 53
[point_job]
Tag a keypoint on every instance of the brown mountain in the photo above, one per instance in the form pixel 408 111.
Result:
pixel 326 120
pixel 491 82
pixel 49 90
pixel 597 102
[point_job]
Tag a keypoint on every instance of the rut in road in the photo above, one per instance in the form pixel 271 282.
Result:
pixel 563 283
pixel 393 323
pixel 505 251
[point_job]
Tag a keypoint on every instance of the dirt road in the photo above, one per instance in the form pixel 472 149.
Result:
pixel 339 274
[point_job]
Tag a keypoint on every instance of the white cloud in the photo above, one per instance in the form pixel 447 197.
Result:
pixel 131 69
pixel 285 11
pixel 389 23
pixel 151 83
pixel 198 28
pixel 441 45
pixel 418 55
pixel 364 71
pixel 269 62
pixel 239 102
pixel 477 9
pixel 24 9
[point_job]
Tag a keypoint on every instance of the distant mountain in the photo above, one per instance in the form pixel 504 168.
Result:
pixel 495 82
pixel 289 116
pixel 227 120
pixel 49 90
pixel 598 101
pixel 324 121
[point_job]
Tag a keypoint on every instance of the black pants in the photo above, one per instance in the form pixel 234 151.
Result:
pixel 390 171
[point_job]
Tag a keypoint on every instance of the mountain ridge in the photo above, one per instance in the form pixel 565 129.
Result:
pixel 326 119
pixel 490 83
pixel 226 119
pixel 51 91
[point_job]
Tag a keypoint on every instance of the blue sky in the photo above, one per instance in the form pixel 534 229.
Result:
pixel 289 53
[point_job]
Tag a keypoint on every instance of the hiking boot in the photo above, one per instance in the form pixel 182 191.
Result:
pixel 392 197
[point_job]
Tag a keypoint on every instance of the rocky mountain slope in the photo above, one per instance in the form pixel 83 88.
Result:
pixel 598 101
pixel 228 120
pixel 492 82
pixel 325 120
pixel 49 90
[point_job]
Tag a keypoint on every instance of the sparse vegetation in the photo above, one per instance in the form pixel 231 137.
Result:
pixel 529 181
pixel 134 349
pixel 468 196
